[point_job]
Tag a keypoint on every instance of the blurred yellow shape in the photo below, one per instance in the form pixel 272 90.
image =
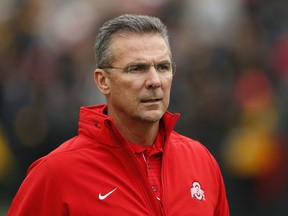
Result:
pixel 250 152
pixel 6 157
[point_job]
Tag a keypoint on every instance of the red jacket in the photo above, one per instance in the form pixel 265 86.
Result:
pixel 97 173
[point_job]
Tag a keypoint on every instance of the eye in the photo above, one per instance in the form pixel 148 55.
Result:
pixel 139 68
pixel 163 67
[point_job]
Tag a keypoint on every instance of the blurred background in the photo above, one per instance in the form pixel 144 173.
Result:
pixel 231 86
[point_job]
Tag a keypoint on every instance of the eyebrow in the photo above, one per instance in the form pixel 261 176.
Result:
pixel 145 62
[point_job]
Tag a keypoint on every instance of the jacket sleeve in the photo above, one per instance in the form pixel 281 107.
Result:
pixel 38 194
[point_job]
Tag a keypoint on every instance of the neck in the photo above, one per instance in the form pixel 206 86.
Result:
pixel 140 134
pixel 137 132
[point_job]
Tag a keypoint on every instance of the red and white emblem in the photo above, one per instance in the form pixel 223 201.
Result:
pixel 196 191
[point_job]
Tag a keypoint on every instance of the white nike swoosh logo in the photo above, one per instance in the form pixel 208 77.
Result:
pixel 102 197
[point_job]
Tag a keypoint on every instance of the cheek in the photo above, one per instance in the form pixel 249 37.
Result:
pixel 123 92
pixel 167 99
pixel 167 88
pixel 167 91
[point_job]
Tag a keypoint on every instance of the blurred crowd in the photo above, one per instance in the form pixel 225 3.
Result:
pixel 230 86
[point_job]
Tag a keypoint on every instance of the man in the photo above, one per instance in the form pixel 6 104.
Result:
pixel 126 159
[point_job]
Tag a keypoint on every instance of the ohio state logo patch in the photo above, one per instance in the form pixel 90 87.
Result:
pixel 196 191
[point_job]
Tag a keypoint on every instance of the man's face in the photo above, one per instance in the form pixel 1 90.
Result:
pixel 144 98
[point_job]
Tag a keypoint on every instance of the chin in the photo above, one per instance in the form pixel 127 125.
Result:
pixel 152 116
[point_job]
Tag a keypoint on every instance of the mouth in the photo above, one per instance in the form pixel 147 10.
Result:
pixel 151 100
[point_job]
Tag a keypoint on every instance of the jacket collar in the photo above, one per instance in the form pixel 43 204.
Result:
pixel 97 116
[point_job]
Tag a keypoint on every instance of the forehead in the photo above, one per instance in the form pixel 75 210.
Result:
pixel 139 47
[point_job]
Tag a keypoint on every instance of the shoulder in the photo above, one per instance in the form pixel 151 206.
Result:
pixel 70 152
pixel 190 149
pixel 190 154
pixel 180 141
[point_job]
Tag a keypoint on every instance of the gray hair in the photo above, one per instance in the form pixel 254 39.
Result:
pixel 127 23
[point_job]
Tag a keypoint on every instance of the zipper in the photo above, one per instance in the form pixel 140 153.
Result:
pixel 154 205
pixel 163 175
pixel 169 124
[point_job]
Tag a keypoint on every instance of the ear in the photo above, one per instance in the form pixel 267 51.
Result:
pixel 102 81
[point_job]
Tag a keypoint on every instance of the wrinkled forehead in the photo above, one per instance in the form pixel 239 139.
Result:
pixel 136 45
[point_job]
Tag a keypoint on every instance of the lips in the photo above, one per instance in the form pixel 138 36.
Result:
pixel 150 100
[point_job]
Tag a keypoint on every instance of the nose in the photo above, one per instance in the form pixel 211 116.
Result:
pixel 153 78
